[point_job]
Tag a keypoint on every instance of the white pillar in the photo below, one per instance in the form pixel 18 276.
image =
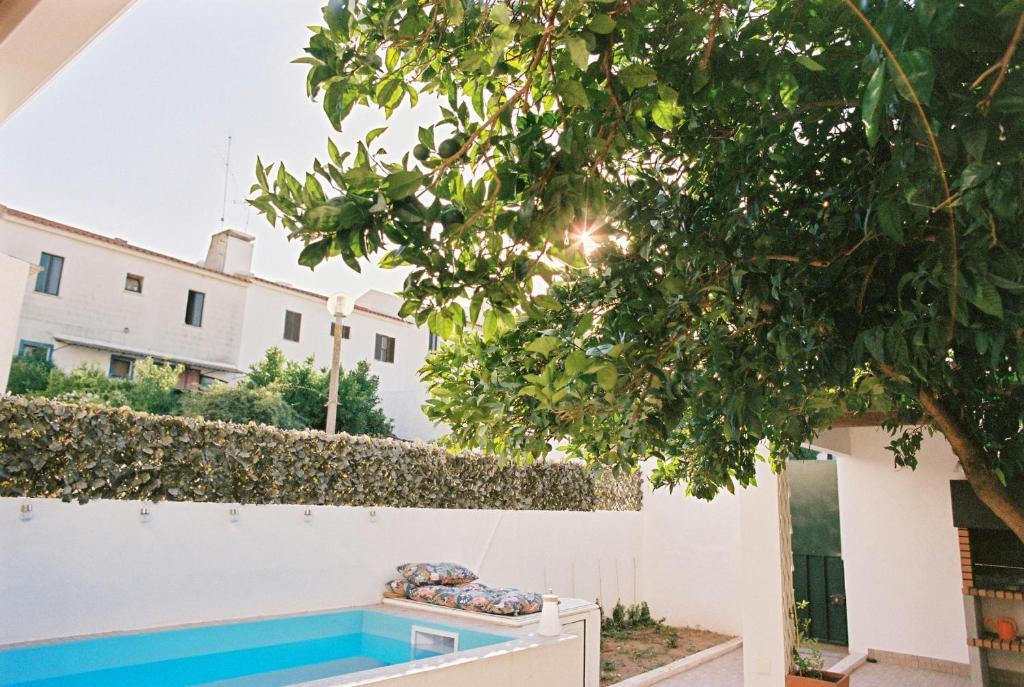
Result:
pixel 767 574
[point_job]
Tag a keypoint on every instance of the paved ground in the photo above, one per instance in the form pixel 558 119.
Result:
pixel 727 671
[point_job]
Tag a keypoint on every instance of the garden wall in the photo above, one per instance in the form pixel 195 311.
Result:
pixel 75 452
pixel 71 569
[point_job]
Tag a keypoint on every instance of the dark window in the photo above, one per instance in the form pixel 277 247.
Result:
pixel 346 331
pixel 194 308
pixel 121 367
pixel 48 281
pixel 292 325
pixel 384 349
pixel 433 342
pixel 133 283
pixel 34 349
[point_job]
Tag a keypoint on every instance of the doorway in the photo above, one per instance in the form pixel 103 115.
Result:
pixel 818 574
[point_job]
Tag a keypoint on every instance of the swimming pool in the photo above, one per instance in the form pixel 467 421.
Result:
pixel 260 653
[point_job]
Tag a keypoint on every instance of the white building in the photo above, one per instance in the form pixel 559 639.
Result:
pixel 105 302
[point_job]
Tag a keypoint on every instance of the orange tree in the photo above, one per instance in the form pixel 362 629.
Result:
pixel 687 227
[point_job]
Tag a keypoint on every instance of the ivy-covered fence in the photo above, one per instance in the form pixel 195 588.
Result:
pixel 79 452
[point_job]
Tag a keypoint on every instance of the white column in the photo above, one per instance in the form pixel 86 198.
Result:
pixel 767 574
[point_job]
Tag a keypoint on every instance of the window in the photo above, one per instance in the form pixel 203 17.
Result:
pixel 34 349
pixel 121 367
pixel 433 342
pixel 346 331
pixel 292 325
pixel 48 281
pixel 194 308
pixel 384 349
pixel 133 283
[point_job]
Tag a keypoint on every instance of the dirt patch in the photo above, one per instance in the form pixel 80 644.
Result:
pixel 625 653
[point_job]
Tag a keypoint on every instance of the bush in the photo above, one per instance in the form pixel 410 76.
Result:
pixel 77 452
pixel 153 388
pixel 29 375
pixel 240 404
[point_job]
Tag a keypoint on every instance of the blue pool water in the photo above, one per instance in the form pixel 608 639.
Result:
pixel 262 653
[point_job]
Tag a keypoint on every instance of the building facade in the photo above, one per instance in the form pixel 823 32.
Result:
pixel 104 302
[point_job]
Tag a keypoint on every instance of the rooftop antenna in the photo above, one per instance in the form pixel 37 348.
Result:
pixel 227 171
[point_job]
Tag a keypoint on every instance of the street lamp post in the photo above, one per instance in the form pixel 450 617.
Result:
pixel 339 305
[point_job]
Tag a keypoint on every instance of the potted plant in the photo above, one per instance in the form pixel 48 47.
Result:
pixel 805 668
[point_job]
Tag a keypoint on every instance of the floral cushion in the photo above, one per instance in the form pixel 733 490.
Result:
pixel 400 588
pixel 498 601
pixel 421 574
pixel 436 594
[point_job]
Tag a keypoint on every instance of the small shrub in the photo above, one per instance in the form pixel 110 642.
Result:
pixel 29 375
pixel 240 404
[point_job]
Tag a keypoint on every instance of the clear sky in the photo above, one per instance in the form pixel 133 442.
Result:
pixel 130 139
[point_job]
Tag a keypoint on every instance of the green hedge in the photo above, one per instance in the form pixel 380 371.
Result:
pixel 80 452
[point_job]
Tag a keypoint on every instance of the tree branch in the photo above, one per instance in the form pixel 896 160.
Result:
pixel 983 481
pixel 940 165
pixel 1000 67
pixel 709 43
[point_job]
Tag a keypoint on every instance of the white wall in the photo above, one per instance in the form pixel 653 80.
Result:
pixel 93 304
pixel 75 569
pixel 14 276
pixel 690 565
pixel 900 549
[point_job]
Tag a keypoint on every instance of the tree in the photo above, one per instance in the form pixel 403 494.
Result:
pixel 691 227
pixel 240 403
pixel 304 387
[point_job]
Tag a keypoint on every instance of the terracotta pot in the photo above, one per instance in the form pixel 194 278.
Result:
pixel 827 679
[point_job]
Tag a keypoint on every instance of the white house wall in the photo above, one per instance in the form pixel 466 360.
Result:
pixel 93 304
pixel 14 276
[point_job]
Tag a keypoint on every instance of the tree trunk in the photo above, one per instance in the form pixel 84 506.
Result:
pixel 986 485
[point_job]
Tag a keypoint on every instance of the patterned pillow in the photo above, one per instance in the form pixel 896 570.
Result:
pixel 483 599
pixel 400 588
pixel 421 574
pixel 437 594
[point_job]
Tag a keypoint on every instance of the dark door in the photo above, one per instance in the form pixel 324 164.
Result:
pixel 817 547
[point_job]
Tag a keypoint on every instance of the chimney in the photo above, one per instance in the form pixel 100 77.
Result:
pixel 230 252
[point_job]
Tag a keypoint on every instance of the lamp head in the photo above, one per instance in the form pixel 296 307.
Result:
pixel 340 304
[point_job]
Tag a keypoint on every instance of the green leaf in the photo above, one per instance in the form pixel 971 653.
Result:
pixel 637 75
pixel 809 63
pixel 871 104
pixel 576 362
pixel 607 376
pixel 987 299
pixel 374 133
pixel 917 64
pixel 402 184
pixel 542 345
pixel 666 114
pixel 315 253
pixel 789 90
pixel 578 52
pixel 501 14
pixel 602 24
pixel 572 93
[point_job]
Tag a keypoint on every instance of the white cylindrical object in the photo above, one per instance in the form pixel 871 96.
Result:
pixel 550 622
